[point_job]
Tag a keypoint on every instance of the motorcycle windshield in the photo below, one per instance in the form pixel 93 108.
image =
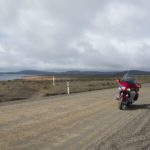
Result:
pixel 128 77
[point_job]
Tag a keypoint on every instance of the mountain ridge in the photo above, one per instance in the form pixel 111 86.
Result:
pixel 77 72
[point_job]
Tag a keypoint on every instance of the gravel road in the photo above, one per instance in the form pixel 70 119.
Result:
pixel 85 121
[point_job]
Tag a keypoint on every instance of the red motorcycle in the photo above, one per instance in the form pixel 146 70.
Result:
pixel 128 91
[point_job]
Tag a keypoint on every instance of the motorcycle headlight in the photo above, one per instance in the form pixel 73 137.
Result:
pixel 128 89
pixel 123 88
pixel 119 88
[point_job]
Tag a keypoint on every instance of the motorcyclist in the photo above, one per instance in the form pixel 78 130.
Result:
pixel 129 79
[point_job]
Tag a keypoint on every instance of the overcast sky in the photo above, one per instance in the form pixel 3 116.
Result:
pixel 102 35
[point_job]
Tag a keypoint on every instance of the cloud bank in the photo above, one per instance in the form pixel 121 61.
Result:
pixel 101 35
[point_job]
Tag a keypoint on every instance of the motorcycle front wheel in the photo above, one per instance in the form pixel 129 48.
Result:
pixel 121 105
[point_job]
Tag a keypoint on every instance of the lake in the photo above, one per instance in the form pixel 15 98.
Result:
pixel 4 77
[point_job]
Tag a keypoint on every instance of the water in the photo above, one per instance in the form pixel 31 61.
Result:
pixel 4 77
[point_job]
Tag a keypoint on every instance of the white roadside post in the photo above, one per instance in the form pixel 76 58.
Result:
pixel 68 88
pixel 53 80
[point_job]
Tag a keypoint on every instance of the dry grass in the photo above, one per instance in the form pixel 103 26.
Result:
pixel 42 86
pixel 42 78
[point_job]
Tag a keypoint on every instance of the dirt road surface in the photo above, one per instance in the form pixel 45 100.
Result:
pixel 89 120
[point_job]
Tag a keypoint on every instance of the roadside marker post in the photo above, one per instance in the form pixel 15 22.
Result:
pixel 53 80
pixel 68 88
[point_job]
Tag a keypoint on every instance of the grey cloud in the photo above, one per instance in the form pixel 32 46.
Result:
pixel 67 34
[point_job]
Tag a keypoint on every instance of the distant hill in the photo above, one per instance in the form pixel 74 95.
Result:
pixel 133 72
pixel 75 73
pixel 33 72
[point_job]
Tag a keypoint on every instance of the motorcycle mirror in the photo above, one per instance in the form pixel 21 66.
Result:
pixel 117 80
pixel 139 85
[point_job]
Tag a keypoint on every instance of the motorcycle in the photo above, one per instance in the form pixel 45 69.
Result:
pixel 128 91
